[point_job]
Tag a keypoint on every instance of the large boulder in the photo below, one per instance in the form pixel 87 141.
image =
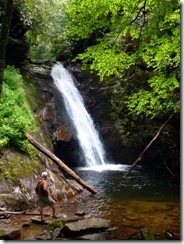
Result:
pixel 85 226
pixel 10 233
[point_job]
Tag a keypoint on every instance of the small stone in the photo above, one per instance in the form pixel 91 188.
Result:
pixel 80 213
pixel 169 235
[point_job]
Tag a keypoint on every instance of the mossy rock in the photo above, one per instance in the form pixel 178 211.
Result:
pixel 146 235
pixel 54 225
pixel 10 234
pixel 2 233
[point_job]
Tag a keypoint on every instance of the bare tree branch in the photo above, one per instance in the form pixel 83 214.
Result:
pixel 146 148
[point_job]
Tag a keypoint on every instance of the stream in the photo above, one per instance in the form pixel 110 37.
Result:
pixel 147 199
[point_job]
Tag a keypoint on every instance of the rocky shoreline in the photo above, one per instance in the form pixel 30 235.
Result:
pixel 77 226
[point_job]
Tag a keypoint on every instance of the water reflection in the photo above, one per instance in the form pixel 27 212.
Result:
pixel 142 183
pixel 148 198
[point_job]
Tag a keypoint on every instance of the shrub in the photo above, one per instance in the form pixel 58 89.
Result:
pixel 15 114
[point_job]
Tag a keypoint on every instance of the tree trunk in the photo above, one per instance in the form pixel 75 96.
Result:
pixel 60 163
pixel 19 213
pixel 8 8
pixel 146 148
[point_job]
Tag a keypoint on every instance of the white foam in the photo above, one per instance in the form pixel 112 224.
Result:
pixel 106 167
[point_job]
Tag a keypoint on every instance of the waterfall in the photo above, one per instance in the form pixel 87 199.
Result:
pixel 90 144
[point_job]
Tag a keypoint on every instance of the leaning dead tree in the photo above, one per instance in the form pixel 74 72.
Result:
pixel 146 148
pixel 60 163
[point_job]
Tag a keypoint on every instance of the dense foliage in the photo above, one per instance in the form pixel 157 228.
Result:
pixel 134 47
pixel 129 33
pixel 15 114
pixel 46 23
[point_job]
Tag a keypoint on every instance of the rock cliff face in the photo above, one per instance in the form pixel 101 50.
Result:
pixel 21 172
pixel 53 118
pixel 49 109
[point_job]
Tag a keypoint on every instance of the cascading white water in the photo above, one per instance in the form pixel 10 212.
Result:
pixel 87 135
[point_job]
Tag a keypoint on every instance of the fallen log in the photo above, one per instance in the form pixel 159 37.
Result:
pixel 146 148
pixel 20 213
pixel 10 212
pixel 60 163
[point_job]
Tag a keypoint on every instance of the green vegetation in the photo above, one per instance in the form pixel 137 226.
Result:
pixel 146 235
pixel 133 47
pixel 46 22
pixel 130 35
pixel 2 233
pixel 16 117
pixel 16 165
pixel 19 158
pixel 54 225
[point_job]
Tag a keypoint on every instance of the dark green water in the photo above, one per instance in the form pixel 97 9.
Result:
pixel 147 199
pixel 142 183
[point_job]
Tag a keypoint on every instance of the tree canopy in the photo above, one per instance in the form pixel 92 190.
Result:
pixel 45 20
pixel 130 35
pixel 133 47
